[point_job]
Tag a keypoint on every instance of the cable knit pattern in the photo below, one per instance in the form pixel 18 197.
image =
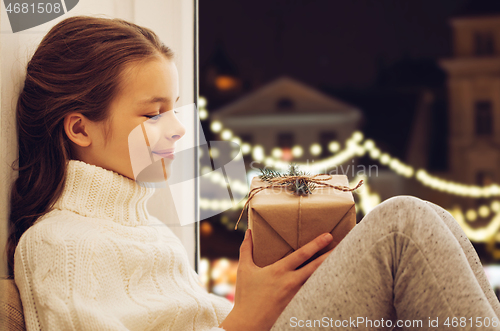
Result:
pixel 99 261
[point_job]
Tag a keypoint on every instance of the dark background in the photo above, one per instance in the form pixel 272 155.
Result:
pixel 331 43
pixel 377 55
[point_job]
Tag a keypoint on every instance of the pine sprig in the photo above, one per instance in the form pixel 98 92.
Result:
pixel 299 187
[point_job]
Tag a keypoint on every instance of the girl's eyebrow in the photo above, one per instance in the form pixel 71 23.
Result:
pixel 157 99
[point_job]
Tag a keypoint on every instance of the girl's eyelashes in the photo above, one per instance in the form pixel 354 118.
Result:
pixel 157 116
pixel 153 117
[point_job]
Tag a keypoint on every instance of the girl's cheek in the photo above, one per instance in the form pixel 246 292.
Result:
pixel 155 135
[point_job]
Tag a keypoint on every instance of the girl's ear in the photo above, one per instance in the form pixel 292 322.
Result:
pixel 76 127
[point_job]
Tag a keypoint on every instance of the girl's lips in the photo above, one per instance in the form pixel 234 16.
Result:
pixel 169 155
pixel 164 151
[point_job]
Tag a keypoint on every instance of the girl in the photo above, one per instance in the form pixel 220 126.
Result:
pixel 84 255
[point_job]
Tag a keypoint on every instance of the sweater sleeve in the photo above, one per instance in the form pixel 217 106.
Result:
pixel 62 288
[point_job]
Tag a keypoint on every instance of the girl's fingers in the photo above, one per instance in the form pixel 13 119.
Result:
pixel 295 259
pixel 246 250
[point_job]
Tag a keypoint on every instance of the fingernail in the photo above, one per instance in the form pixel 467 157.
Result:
pixel 327 237
pixel 246 234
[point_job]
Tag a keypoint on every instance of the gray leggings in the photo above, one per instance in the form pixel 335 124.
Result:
pixel 407 260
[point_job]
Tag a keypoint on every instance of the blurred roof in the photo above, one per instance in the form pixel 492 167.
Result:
pixel 286 96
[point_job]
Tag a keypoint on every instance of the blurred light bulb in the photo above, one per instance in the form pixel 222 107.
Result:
pixel 484 211
pixel 369 144
pixel 385 158
pixel 277 152
pixel 236 140
pixel 375 153
pixel 203 114
pixel 297 151
pixel 216 126
pixel 357 136
pixel 226 134
pixel 214 153
pixel 258 153
pixel 315 149
pixel 334 146
pixel 495 206
pixel 246 148
pixel 202 102
pixel 471 215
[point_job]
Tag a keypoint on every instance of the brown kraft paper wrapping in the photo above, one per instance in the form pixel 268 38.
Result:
pixel 282 222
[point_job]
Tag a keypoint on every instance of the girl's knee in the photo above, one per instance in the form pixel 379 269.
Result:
pixel 399 211
pixel 403 200
pixel 399 204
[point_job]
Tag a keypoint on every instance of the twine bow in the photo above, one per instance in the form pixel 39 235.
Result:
pixel 280 181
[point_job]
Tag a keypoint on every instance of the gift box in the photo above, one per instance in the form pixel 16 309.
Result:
pixel 283 221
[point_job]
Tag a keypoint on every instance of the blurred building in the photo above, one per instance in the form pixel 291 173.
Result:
pixel 474 94
pixel 287 114
pixel 442 116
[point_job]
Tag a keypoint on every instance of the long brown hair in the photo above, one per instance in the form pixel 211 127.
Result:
pixel 76 68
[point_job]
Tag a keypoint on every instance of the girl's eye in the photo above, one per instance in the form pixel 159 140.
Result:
pixel 153 117
pixel 156 117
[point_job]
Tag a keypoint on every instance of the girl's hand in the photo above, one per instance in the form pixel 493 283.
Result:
pixel 263 293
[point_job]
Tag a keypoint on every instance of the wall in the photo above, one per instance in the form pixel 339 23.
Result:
pixel 173 21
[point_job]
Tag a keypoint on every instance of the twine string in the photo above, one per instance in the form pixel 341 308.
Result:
pixel 280 181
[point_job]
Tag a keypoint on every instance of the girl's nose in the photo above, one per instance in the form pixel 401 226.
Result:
pixel 177 130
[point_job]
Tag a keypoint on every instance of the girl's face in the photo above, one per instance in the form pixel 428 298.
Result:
pixel 149 89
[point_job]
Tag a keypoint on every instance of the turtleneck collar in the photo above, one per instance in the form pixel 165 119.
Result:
pixel 100 193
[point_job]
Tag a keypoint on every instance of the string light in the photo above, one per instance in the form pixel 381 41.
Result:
pixel 315 149
pixel 277 153
pixel 369 144
pixel 226 134
pixel 236 155
pixel 385 158
pixel 214 153
pixel 258 153
pixel 457 188
pixel 202 102
pixel 355 146
pixel 482 234
pixel 203 114
pixel 246 148
pixel 375 153
pixel 333 146
pixel 236 140
pixel 205 171
pixel 367 201
pixel 471 215
pixel 216 126
pixel 484 211
pixel 495 206
pixel 269 162
pixel 297 151
pixel 357 136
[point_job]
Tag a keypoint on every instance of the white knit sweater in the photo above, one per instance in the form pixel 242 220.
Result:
pixel 99 261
